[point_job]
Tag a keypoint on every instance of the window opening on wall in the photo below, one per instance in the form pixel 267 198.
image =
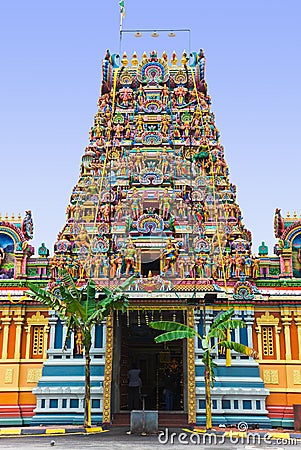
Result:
pixel 267 340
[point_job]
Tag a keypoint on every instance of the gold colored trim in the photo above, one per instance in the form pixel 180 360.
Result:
pixel 191 371
pixel 106 415
pixel 284 390
pixel 279 362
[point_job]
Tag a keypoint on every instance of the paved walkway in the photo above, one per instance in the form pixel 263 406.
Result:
pixel 77 438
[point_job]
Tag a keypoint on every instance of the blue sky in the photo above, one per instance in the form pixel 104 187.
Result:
pixel 50 75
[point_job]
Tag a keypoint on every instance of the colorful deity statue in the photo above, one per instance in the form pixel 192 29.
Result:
pixel 130 254
pixel 126 96
pixel 165 204
pixel 170 256
pixel 27 225
pixel 116 264
pixel 165 95
pixel 105 211
pixel 136 204
pixel 139 161
pixel 139 125
pixel 165 125
pixel 164 164
pixel 180 93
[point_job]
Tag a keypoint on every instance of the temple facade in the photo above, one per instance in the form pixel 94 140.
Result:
pixel 24 324
pixel 154 198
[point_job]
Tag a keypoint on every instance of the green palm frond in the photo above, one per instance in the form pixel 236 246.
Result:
pixel 216 333
pixel 90 303
pixel 96 317
pixel 71 325
pixel 239 348
pixel 231 324
pixel 174 335
pixel 67 280
pixel 126 284
pixel 43 296
pixel 172 326
pixel 222 317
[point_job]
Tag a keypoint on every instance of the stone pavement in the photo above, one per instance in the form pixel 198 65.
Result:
pixel 77 438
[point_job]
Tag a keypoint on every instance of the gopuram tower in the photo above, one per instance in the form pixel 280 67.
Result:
pixel 154 199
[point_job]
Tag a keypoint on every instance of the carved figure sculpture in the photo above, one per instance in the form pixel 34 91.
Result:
pixel 170 256
pixel 165 204
pixel 130 257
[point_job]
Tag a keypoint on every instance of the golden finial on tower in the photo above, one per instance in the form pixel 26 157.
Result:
pixel 164 56
pixel 288 214
pixel 134 60
pixel 13 216
pixel 124 59
pixel 174 59
pixel 6 216
pixel 0 216
pixel 295 214
pixel 19 217
pixel 144 58
pixel 184 58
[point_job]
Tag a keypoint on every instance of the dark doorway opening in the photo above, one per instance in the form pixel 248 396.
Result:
pixel 150 268
pixel 156 361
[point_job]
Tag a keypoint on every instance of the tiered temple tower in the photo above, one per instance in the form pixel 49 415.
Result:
pixel 154 198
pixel 154 195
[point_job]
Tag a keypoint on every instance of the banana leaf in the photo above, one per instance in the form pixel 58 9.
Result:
pixel 68 281
pixel 216 333
pixel 174 335
pixel 222 317
pixel 43 296
pixel 172 326
pixel 123 286
pixel 231 324
pixel 239 348
pixel 90 301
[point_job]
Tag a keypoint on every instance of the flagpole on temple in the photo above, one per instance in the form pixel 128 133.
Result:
pixel 122 13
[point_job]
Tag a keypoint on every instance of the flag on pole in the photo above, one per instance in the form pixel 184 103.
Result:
pixel 122 8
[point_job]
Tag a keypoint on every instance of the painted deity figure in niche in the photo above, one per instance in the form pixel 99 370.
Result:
pixel 180 93
pixel 140 96
pixel 130 257
pixel 118 131
pixel 116 263
pixel 139 161
pixel 139 125
pixel 126 96
pixel 164 164
pixel 79 342
pixel 128 130
pixel 136 204
pixel 165 204
pixel 255 267
pixel 164 125
pixel 170 256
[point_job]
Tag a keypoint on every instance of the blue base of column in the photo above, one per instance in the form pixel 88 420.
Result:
pixel 64 419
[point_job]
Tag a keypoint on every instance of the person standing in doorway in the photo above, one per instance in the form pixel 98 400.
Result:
pixel 134 387
pixel 170 389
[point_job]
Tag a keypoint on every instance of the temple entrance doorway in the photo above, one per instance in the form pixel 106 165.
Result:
pixel 162 366
pixel 150 263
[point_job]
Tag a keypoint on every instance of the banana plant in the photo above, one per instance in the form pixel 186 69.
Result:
pixel 81 309
pixel 220 329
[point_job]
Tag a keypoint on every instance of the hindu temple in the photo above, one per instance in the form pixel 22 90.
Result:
pixel 154 198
